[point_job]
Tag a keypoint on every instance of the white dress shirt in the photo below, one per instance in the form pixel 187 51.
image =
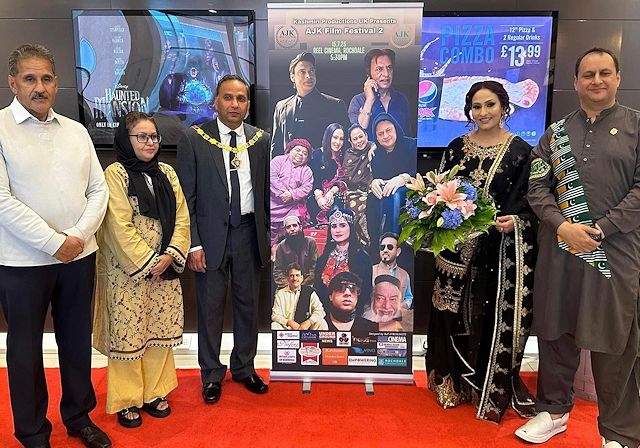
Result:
pixel 244 172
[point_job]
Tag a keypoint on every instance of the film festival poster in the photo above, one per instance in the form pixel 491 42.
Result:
pixel 339 37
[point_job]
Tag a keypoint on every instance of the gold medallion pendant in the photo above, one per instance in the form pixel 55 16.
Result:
pixel 236 162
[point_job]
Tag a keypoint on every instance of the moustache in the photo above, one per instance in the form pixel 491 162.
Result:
pixel 39 96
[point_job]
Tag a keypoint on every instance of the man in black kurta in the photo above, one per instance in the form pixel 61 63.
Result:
pixel 576 306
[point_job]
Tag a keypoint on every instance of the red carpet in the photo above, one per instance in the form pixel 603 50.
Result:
pixel 333 415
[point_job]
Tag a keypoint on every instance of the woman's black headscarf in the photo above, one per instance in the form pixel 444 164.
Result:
pixel 163 205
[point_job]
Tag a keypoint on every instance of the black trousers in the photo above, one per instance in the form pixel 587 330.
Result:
pixel 25 295
pixel 241 267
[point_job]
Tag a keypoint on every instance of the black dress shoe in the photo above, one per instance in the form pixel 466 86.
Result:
pixel 92 436
pixel 211 392
pixel 254 384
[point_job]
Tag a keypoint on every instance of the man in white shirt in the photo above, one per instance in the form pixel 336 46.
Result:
pixel 297 306
pixel 52 200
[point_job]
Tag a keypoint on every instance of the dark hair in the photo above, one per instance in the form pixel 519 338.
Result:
pixel 326 141
pixel 393 235
pixel 226 78
pixel 295 266
pixel 601 51
pixel 26 51
pixel 304 56
pixel 492 86
pixel 374 54
pixel 135 117
pixel 353 127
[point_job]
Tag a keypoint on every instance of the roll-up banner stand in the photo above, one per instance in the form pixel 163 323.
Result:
pixel 343 312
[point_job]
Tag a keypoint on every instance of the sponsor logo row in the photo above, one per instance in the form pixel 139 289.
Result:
pixel 310 354
pixel 340 338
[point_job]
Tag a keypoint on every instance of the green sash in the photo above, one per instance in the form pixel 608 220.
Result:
pixel 570 195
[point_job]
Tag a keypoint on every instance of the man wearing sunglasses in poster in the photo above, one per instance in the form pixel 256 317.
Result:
pixel 344 292
pixel 389 253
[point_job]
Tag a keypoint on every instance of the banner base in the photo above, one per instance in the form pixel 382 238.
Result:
pixel 341 377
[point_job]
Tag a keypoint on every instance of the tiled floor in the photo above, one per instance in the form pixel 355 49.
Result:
pixel 186 355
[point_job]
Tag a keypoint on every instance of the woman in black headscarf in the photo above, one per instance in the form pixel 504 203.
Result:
pixel 144 240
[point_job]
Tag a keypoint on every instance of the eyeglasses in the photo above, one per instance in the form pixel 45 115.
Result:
pixel 342 287
pixel 144 138
pixel 388 246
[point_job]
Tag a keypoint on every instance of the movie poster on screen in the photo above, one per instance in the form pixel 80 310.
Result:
pixel 350 64
pixel 164 63
pixel 459 51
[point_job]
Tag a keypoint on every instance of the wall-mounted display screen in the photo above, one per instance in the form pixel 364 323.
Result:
pixel 166 63
pixel 463 48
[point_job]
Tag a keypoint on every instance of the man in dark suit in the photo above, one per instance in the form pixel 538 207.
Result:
pixel 307 113
pixel 223 167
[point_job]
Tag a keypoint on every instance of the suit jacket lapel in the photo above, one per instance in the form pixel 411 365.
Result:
pixel 253 161
pixel 211 128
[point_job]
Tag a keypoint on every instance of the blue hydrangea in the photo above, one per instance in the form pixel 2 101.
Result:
pixel 411 209
pixel 452 219
pixel 413 212
pixel 470 190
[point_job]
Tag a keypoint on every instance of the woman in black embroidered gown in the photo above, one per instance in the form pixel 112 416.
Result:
pixel 482 299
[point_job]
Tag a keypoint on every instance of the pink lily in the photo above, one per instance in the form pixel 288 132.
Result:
pixel 416 184
pixel 431 198
pixel 468 209
pixel 436 178
pixel 447 193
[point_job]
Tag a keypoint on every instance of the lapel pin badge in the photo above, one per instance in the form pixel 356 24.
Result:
pixel 613 131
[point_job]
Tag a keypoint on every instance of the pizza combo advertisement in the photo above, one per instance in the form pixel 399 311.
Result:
pixel 459 51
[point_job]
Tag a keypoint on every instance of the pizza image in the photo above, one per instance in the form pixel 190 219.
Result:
pixel 521 94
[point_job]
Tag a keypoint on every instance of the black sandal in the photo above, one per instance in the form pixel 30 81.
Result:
pixel 129 422
pixel 152 408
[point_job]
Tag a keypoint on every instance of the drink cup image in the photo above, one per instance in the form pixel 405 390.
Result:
pixel 429 95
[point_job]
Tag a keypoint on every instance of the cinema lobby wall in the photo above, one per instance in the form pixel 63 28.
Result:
pixel 582 24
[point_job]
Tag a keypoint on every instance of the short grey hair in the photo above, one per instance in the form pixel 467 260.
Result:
pixel 29 51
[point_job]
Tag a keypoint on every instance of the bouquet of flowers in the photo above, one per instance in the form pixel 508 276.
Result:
pixel 444 212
